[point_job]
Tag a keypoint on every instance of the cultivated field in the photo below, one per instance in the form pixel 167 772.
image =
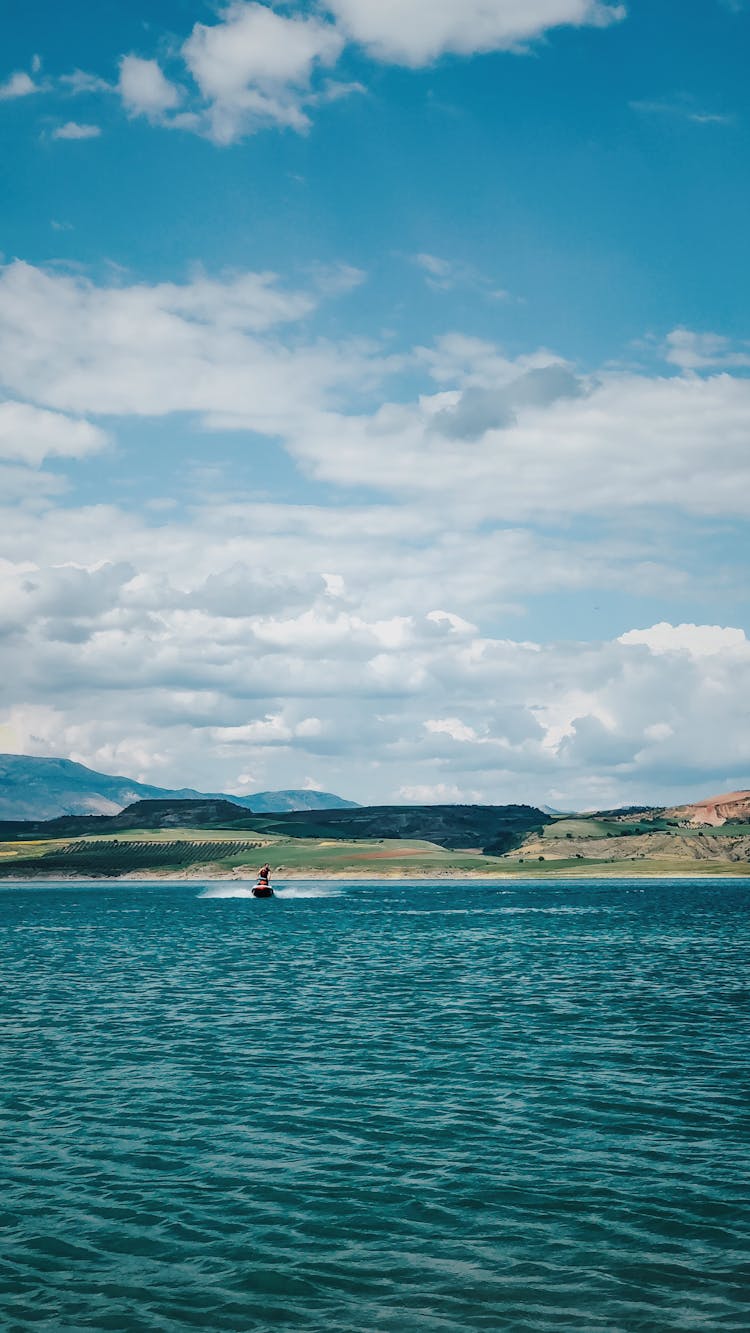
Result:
pixel 574 847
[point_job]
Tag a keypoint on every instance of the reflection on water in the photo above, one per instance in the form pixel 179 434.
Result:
pixel 375 1107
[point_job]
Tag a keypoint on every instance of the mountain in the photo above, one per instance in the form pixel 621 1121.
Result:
pixel 206 813
pixel 36 788
pixel 271 802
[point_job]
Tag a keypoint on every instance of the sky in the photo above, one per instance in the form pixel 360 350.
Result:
pixel 375 396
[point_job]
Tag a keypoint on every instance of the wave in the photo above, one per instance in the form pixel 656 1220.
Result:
pixel 289 893
pixel 309 891
pixel 227 891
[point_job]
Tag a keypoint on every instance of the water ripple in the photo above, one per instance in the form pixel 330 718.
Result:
pixel 404 1108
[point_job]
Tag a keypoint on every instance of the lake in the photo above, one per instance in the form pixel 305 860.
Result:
pixel 356 1107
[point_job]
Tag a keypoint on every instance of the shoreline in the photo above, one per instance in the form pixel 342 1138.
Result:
pixel 478 877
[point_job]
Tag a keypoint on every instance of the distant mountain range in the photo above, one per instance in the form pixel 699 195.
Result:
pixel 33 788
pixel 36 788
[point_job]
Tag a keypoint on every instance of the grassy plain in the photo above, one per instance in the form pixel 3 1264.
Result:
pixel 569 847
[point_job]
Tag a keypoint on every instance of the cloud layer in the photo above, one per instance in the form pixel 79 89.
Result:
pixel 191 654
pixel 374 644
pixel 505 439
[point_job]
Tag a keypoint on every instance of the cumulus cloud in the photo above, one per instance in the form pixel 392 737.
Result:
pixel 144 88
pixel 416 32
pixel 271 730
pixel 29 434
pixel 70 344
pixel 453 727
pixel 123 658
pixel 16 85
pixel 513 440
pixel 72 130
pixel 374 643
pixel 629 441
pixel 692 640
pixel 255 67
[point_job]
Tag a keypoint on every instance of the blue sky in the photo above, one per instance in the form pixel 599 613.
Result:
pixel 374 400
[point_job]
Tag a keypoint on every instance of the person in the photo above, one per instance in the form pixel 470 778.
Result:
pixel 263 889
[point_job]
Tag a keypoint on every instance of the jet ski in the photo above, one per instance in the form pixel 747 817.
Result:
pixel 262 889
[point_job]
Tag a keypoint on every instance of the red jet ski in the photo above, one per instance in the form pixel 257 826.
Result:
pixel 262 889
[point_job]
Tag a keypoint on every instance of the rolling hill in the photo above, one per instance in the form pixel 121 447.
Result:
pixel 479 827
pixel 213 836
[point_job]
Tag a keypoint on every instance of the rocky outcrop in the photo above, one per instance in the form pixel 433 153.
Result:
pixel 731 808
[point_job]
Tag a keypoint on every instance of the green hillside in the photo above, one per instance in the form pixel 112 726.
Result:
pixel 161 835
pixel 213 838
pixel 495 827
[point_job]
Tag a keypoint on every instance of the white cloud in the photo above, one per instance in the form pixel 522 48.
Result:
pixel 72 130
pixel 30 434
pixel 255 45
pixel 272 729
pixel 72 345
pixel 626 441
pixel 456 359
pixel 415 32
pixel 658 731
pixel 439 793
pixel 512 440
pixel 507 440
pixel 377 643
pixel 144 88
pixel 453 727
pixel 381 697
pixel 691 350
pixel 19 84
pixel 255 67
pixel 692 640
pixel 456 623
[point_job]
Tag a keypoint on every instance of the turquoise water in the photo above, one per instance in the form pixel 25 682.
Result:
pixel 376 1107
